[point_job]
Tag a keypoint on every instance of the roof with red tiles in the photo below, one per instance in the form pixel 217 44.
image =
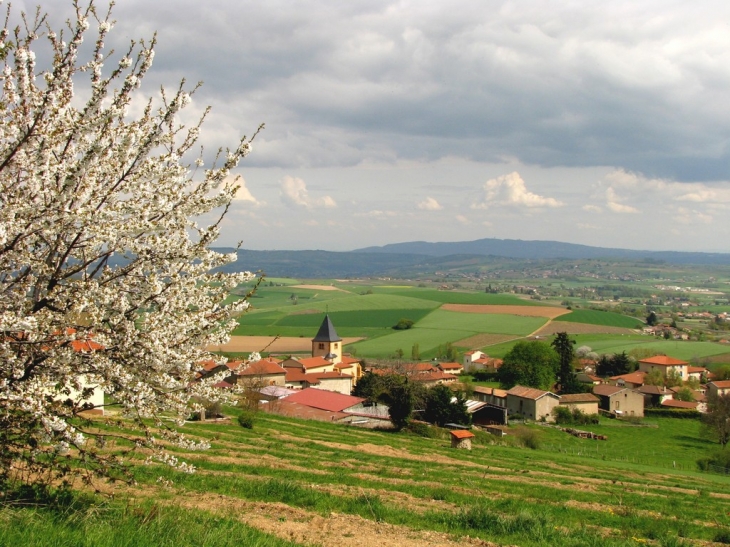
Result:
pixel 637 377
pixel 432 376
pixel 262 367
pixel 607 390
pixel 324 400
pixel 695 370
pixel 462 434
pixel 572 398
pixel 722 384
pixel 663 360
pixel 674 403
pixel 493 391
pixel 451 366
pixel 528 392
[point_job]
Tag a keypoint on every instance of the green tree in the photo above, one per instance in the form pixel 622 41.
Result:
pixel 716 421
pixel 403 324
pixel 685 394
pixel 651 319
pixel 614 365
pixel 415 352
pixel 563 345
pixel 399 396
pixel 532 364
pixel 443 407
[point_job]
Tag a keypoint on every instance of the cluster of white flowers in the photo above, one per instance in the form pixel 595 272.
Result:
pixel 106 279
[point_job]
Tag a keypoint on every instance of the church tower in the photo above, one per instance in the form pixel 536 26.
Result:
pixel 327 344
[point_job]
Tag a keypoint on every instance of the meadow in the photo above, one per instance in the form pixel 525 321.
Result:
pixel 293 482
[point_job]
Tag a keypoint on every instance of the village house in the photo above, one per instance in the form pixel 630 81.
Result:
pixel 477 360
pixel 632 379
pixel 717 388
pixel 619 401
pixel 585 402
pixel 655 395
pixel 666 365
pixel 451 368
pixel 531 403
pixel 266 372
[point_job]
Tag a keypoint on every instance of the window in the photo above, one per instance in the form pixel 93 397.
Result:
pixel 321 346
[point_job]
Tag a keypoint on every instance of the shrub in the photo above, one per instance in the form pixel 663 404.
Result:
pixel 246 420
pixel 672 413
pixel 403 324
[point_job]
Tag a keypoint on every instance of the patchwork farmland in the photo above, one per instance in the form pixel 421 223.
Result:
pixel 364 316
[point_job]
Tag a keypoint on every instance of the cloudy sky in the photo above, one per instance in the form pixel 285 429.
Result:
pixel 601 123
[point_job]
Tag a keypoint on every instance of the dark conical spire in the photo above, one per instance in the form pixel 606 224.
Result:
pixel 327 332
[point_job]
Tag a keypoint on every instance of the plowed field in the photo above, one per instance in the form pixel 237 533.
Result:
pixel 528 311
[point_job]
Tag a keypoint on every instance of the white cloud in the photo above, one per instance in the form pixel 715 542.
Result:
pixel 463 219
pixel 691 216
pixel 294 193
pixel 430 204
pixel 592 208
pixel 511 190
pixel 613 203
pixel 244 194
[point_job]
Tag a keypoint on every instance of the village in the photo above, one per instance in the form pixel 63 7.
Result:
pixel 321 386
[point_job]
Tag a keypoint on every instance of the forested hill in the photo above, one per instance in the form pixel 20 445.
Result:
pixel 517 248
pixel 412 259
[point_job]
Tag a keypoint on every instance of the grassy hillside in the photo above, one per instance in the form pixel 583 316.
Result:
pixel 318 483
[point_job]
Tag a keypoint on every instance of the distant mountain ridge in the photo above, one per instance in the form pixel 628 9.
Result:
pixel 517 248
pixel 412 258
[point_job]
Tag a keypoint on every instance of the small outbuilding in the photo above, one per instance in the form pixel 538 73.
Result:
pixel 461 438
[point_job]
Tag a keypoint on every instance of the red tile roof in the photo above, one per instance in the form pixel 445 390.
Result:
pixel 637 377
pixel 263 367
pixel 674 403
pixel 607 390
pixel 433 376
pixel 528 392
pixel 324 400
pixel 572 398
pixel 493 391
pixel 451 366
pixel 695 370
pixel 462 434
pixel 722 384
pixel 85 346
pixel 663 360
pixel 314 362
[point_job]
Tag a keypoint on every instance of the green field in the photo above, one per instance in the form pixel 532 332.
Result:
pixel 453 297
pixel 597 317
pixel 441 327
pixel 349 486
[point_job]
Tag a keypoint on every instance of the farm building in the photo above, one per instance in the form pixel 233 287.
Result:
pixel 491 395
pixel 585 402
pixel 531 403
pixel 620 401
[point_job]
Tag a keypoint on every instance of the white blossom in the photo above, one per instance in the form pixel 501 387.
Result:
pixel 106 279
